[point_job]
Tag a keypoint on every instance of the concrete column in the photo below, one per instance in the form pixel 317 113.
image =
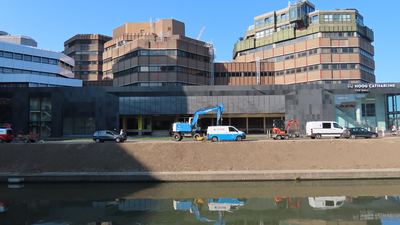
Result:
pixel 265 127
pixel 247 125
pixel 125 122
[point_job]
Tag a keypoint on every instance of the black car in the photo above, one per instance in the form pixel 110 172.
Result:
pixel 358 132
pixel 107 135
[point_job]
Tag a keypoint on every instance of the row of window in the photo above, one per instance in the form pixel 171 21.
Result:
pixel 85 53
pixel 337 17
pixel 161 69
pixel 243 74
pixel 267 32
pixel 301 39
pixel 86 42
pixel 343 66
pixel 18 71
pixel 284 16
pixel 145 84
pixel 88 63
pixel 88 73
pixel 159 53
pixel 36 59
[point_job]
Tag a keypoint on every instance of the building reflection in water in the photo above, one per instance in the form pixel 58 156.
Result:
pixel 279 210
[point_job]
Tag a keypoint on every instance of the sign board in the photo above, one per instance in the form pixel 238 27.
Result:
pixel 365 88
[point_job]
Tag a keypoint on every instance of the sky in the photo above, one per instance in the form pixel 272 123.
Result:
pixel 50 23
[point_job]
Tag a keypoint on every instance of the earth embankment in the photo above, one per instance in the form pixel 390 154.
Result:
pixel 170 156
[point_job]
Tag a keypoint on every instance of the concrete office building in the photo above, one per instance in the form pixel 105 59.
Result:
pixel 298 44
pixel 155 53
pixel 87 51
pixel 317 66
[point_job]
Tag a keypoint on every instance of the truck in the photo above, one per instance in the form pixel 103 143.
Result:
pixel 279 132
pixel 192 129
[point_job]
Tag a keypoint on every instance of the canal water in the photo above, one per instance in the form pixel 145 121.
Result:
pixel 344 202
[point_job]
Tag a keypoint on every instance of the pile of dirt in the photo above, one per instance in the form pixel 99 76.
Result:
pixel 160 156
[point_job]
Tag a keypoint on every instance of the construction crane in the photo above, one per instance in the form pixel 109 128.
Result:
pixel 200 33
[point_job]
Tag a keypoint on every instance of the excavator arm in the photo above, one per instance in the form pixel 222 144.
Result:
pixel 202 111
pixel 290 123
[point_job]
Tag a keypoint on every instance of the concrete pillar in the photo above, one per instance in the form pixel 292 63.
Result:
pixel 247 125
pixel 264 125
pixel 125 122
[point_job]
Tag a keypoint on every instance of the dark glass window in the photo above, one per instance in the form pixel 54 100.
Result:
pixel 8 55
pixel 1 54
pixel 326 125
pixel 368 109
pixel 18 56
pixel 45 60
pixel 27 58
pixel 53 61
pixel 36 59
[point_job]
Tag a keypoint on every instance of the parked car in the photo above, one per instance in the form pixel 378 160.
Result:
pixel 107 135
pixel 6 134
pixel 358 132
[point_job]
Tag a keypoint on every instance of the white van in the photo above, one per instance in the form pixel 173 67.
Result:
pixel 318 129
pixel 216 133
pixel 323 203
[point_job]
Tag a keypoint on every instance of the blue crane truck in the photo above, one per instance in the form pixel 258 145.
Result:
pixel 192 129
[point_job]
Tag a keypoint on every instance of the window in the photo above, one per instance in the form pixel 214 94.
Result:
pixel 359 20
pixel 293 13
pixel 36 59
pixel 269 31
pixel 141 31
pixel 1 53
pixel 368 109
pixel 53 62
pixel 278 18
pixel 337 17
pixel 343 66
pixel 27 58
pixel 18 56
pixel 8 55
pixel 327 17
pixel 346 17
pixel 45 60
pixel 314 19
pixel 169 28
pixel 285 16
pixel 326 125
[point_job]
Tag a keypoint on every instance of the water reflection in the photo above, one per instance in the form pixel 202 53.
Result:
pixel 95 204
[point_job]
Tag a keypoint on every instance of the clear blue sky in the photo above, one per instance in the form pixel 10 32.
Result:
pixel 51 23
